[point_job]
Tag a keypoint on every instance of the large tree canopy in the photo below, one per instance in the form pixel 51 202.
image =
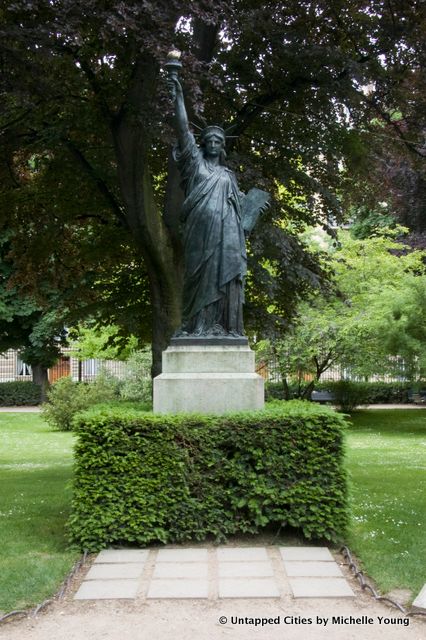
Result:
pixel 84 120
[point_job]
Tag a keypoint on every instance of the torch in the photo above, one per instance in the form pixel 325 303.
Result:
pixel 173 66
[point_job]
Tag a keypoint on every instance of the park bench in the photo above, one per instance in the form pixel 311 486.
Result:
pixel 322 396
pixel 417 398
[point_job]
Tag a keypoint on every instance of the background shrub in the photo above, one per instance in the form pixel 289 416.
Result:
pixel 66 398
pixel 137 383
pixel 348 395
pixel 105 387
pixel 369 392
pixel 376 392
pixel 15 394
pixel 143 478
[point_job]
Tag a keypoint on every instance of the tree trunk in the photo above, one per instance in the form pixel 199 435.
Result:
pixel 155 234
pixel 166 315
pixel 40 377
pixel 286 389
pixel 307 392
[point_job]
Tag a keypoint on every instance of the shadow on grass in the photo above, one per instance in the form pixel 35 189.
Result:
pixel 390 422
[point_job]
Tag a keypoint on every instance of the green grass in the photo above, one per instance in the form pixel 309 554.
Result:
pixel 387 463
pixel 386 458
pixel 35 474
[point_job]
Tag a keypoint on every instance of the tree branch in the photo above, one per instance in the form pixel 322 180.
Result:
pixel 253 108
pixel 96 87
pixel 100 183
pixel 394 124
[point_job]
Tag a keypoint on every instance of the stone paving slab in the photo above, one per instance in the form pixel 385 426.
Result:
pixel 180 570
pixel 169 588
pixel 320 588
pixel 318 554
pixel 242 554
pixel 107 590
pixel 214 572
pixel 182 555
pixel 245 570
pixel 420 601
pixel 312 569
pixel 122 555
pixel 112 571
pixel 253 588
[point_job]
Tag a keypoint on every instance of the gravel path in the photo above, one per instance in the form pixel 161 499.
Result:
pixel 205 620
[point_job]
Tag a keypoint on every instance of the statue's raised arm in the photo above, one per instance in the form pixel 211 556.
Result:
pixel 181 117
pixel 173 66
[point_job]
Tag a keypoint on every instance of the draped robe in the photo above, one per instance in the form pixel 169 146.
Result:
pixel 214 245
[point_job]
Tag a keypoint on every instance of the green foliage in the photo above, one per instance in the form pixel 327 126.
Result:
pixel 382 283
pixel 137 383
pixel 19 393
pixel 373 392
pixel 105 386
pixel 367 392
pixel 375 311
pixel 24 323
pixel 407 332
pixel 101 342
pixel 275 391
pixel 369 222
pixel 66 398
pixel 143 478
pixel 298 110
pixel 348 395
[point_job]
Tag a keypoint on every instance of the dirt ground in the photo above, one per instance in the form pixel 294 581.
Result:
pixel 205 620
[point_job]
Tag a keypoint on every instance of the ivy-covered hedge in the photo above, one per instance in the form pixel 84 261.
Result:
pixel 15 394
pixel 143 478
pixel 367 392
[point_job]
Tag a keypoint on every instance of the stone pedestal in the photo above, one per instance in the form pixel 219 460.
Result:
pixel 208 378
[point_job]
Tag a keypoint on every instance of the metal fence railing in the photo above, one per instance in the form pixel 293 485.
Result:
pixel 13 368
pixel 269 369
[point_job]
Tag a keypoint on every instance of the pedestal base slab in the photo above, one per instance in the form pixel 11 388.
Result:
pixel 208 379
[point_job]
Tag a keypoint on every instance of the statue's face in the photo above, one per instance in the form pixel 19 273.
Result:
pixel 213 145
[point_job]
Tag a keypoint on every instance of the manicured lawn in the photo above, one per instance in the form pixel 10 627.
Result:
pixel 35 472
pixel 386 458
pixel 387 462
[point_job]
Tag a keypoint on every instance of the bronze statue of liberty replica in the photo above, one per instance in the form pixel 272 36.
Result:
pixel 215 216
pixel 208 366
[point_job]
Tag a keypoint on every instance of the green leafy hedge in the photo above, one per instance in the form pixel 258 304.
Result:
pixel 15 394
pixel 143 478
pixel 367 392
